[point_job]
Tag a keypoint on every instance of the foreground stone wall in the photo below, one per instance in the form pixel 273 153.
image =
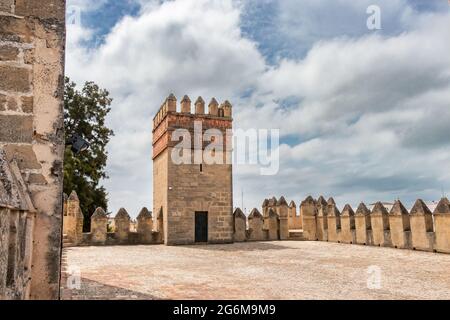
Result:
pixel 17 218
pixel 417 229
pixel 32 40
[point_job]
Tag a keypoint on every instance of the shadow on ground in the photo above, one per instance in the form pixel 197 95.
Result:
pixel 256 246
pixel 93 290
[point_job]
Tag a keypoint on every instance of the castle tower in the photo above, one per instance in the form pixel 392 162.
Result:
pixel 192 171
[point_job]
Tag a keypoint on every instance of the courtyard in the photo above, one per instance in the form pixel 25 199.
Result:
pixel 255 270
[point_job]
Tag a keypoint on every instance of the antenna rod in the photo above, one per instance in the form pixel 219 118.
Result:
pixel 242 199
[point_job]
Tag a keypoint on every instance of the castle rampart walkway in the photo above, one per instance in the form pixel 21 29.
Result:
pixel 258 270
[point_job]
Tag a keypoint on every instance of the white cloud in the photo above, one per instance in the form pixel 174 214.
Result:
pixel 368 113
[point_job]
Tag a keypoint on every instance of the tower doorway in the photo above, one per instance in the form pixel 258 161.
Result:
pixel 201 226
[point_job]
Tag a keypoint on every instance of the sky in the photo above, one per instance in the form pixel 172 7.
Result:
pixel 364 115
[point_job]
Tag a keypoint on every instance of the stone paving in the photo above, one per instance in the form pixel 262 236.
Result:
pixel 263 270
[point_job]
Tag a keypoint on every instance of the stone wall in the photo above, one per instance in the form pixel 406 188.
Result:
pixel 17 218
pixel 417 229
pixel 98 236
pixel 32 40
pixel 295 219
pixel 252 228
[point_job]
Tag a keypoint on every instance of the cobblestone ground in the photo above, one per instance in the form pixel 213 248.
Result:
pixel 264 270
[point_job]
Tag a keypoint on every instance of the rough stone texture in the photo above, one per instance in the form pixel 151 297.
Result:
pixel 27 104
pixel 421 220
pixel 16 129
pixel 99 223
pixel 8 53
pixel 442 226
pixel 7 6
pixel 24 155
pixel 321 219
pixel 334 222
pixel 122 222
pixel 273 226
pixel 240 226
pixel 348 234
pixel 14 79
pixel 4 245
pixel 309 212
pixel 257 270
pixel 17 216
pixel 32 128
pixel 283 214
pixel 3 100
pixel 295 221
pixel 255 224
pixel 380 225
pixel 182 190
pixel 363 225
pixel 53 9
pixel 400 226
pixel 145 225
pixel 72 221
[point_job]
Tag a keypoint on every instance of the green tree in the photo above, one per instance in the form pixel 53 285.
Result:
pixel 84 114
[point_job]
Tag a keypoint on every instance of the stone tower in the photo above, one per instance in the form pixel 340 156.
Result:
pixel 193 194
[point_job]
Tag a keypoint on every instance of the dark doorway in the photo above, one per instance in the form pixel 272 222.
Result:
pixel 201 226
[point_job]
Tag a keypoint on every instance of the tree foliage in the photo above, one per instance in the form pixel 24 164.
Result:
pixel 85 112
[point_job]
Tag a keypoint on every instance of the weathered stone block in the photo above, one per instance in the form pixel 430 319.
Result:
pixel 422 231
pixel 122 223
pixel 363 225
pixel 27 104
pixel 400 226
pixel 348 233
pixel 380 225
pixel 23 155
pixel 12 104
pixel 308 213
pixel 321 219
pixel 273 226
pixel 8 53
pixel 15 79
pixel 3 101
pixel 145 226
pixel 240 226
pixel 28 56
pixel 16 30
pixel 16 129
pixel 4 245
pixel 35 178
pixel 442 224
pixel 283 214
pixel 99 223
pixel 334 221
pixel 50 9
pixel 255 223
pixel 7 6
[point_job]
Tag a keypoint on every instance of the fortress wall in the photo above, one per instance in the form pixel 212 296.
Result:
pixel 17 218
pixel 417 229
pixel 32 44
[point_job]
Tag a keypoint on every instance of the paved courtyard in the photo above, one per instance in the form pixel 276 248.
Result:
pixel 264 270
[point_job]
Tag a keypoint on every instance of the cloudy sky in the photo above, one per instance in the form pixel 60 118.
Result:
pixel 363 114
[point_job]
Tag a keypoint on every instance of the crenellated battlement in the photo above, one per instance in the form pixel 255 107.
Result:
pixel 106 231
pixel 172 117
pixel 376 225
pixel 383 225
pixel 215 111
